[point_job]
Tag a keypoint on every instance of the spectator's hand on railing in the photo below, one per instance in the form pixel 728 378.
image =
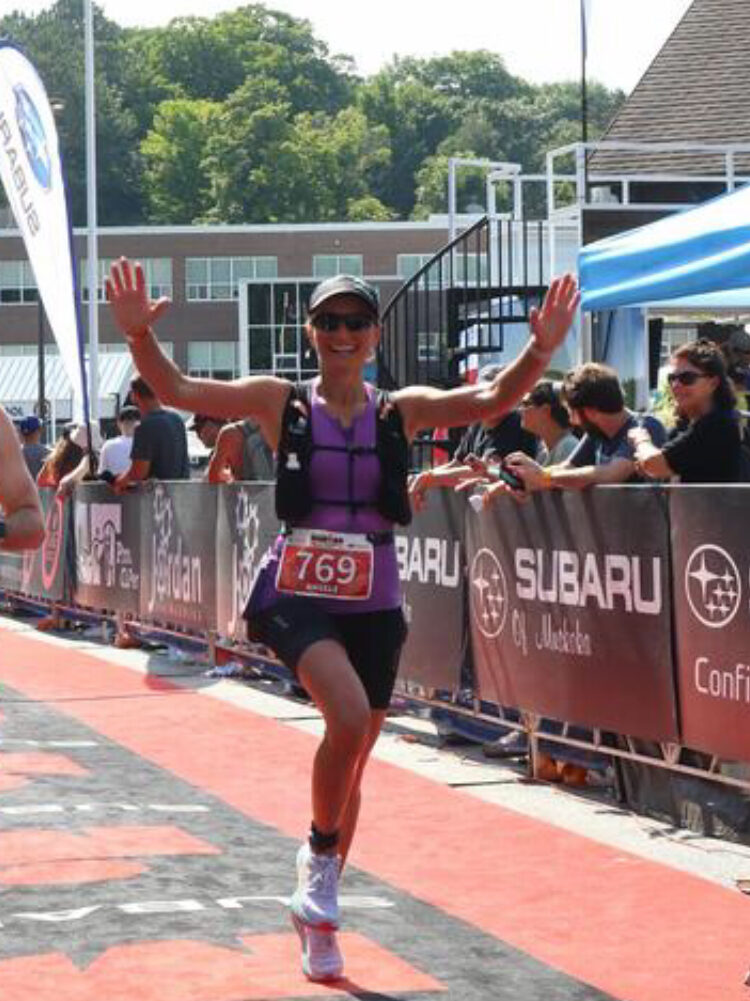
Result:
pixel 132 308
pixel 499 488
pixel 550 324
pixel 526 469
pixel 419 484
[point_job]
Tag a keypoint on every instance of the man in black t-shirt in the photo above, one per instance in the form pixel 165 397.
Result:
pixel 160 450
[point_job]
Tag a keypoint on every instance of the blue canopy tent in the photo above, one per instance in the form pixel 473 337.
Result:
pixel 698 258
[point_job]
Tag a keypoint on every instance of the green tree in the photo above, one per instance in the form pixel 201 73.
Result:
pixel 177 184
pixel 267 165
pixel 54 42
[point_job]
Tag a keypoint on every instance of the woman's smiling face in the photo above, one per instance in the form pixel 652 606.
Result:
pixel 343 332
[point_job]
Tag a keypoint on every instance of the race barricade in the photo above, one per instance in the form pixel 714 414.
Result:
pixel 622 609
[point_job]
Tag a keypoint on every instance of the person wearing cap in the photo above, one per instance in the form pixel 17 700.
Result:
pixel 115 454
pixel 327 599
pixel 34 451
pixel 207 428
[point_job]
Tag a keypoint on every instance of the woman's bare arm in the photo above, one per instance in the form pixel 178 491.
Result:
pixel 425 407
pixel 261 397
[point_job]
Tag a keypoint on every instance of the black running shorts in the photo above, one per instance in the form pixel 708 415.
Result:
pixel 372 640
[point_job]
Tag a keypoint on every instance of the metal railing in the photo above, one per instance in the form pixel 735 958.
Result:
pixel 461 304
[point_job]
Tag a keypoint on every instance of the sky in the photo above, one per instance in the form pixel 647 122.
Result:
pixel 539 40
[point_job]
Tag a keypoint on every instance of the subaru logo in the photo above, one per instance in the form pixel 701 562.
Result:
pixel 712 586
pixel 33 138
pixel 489 593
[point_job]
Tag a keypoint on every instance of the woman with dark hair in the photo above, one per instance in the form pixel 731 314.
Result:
pixel 705 446
pixel 63 459
pixel 327 598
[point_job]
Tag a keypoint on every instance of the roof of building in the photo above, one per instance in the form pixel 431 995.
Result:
pixel 19 379
pixel 697 89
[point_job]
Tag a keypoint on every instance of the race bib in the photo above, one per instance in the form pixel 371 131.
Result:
pixel 326 565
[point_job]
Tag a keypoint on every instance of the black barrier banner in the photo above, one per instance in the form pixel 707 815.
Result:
pixel 711 564
pixel 178 554
pixel 570 608
pixel 247 525
pixel 47 570
pixel 431 567
pixel 107 548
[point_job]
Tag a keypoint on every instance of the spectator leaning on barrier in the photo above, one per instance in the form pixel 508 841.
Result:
pixel 115 454
pixel 544 415
pixel 63 458
pixel 34 452
pixel 87 466
pixel 705 447
pixel 207 429
pixel 160 450
pixel 594 399
pixel 484 444
pixel 241 453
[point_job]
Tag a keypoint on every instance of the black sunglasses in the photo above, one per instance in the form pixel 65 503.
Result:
pixel 685 378
pixel 354 322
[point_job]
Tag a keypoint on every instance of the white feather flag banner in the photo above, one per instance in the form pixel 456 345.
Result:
pixel 32 176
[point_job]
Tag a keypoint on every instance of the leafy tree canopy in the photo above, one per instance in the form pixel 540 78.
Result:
pixel 247 117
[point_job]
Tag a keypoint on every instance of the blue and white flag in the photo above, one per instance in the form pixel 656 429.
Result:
pixel 31 173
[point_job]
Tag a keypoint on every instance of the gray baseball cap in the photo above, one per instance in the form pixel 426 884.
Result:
pixel 344 285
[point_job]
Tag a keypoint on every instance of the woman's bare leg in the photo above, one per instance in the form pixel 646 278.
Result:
pixel 327 674
pixel 348 823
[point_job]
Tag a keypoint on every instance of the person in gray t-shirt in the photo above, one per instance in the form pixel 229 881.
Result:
pixel 543 414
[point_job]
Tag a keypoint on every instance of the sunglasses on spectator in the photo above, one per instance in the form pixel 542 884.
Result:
pixel 685 378
pixel 355 323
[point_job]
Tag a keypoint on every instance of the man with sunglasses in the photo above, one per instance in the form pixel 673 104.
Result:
pixel 327 599
pixel 705 446
pixel 593 396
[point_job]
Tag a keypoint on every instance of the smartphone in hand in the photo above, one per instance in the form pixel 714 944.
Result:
pixel 507 475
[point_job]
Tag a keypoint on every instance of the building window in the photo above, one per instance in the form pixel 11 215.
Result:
pixel 157 271
pixel 327 265
pixel 217 278
pixel 213 359
pixel 17 283
pixel 430 347
pixel 407 265
pixel 470 269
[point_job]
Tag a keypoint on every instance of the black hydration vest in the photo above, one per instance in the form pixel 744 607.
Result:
pixel 294 499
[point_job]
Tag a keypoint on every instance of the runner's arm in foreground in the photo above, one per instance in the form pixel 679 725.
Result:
pixel 425 407
pixel 19 498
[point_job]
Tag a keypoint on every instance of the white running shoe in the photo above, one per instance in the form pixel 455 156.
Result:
pixel 315 902
pixel 321 957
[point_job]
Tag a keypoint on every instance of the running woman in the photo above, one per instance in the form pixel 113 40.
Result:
pixel 327 599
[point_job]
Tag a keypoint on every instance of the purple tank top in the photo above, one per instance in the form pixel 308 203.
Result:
pixel 342 476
